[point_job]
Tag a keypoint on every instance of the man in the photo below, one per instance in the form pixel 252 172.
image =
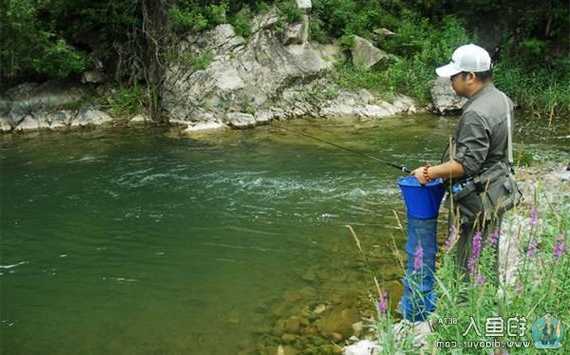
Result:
pixel 480 154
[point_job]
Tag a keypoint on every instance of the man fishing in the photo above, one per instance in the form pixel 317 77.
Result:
pixel 478 162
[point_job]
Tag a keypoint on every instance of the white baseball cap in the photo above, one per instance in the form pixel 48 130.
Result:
pixel 467 58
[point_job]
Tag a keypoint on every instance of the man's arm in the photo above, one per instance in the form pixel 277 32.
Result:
pixel 472 146
pixel 450 169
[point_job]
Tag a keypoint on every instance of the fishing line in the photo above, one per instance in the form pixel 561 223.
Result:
pixel 402 168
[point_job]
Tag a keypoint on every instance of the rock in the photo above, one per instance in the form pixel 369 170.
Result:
pixel 336 337
pixel 320 308
pixel 339 321
pixel 365 55
pixel 419 331
pixel 292 325
pixel 310 276
pixel 286 350
pixel 444 99
pixel 205 127
pixel 28 123
pixel 363 347
pixel 264 117
pixel 240 120
pixel 92 77
pixel 5 125
pixel 29 97
pixel 348 104
pixel 288 338
pixel 357 328
pixel 304 4
pixel 384 32
pixel 139 119
pixel 251 74
pixel 89 116
pixel 59 119
pixel 294 34
pixel 563 175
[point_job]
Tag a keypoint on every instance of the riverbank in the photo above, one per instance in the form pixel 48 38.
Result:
pixel 531 285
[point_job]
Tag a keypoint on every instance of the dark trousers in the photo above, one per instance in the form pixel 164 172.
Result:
pixel 464 244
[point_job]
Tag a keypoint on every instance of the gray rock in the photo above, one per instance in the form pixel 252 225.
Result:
pixel 304 4
pixel 364 105
pixel 92 77
pixel 294 34
pixel 88 117
pixel 59 119
pixel 365 55
pixel 240 120
pixel 5 125
pixel 52 94
pixel 363 347
pixel 264 117
pixel 28 123
pixel 249 76
pixel 204 126
pixel 444 99
pixel 139 119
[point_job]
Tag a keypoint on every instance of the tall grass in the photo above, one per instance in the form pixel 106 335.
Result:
pixel 541 286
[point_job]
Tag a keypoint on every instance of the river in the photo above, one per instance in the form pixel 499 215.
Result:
pixel 140 242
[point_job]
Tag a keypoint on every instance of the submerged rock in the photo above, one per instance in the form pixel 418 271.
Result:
pixel 338 321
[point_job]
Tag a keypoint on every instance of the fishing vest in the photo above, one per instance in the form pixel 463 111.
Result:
pixel 493 190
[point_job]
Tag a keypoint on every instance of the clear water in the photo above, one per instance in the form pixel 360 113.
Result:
pixel 138 242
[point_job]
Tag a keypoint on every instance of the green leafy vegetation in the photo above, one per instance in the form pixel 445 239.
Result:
pixel 58 39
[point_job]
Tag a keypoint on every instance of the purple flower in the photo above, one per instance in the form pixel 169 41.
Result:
pixel 418 257
pixel 475 252
pixel 451 240
pixel 480 280
pixel 532 248
pixel 559 247
pixel 533 216
pixel 383 303
pixel 494 237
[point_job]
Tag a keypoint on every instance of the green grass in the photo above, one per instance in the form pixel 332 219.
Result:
pixel 542 287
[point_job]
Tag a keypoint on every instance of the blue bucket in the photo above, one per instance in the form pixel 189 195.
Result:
pixel 422 202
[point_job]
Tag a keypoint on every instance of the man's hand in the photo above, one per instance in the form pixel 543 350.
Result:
pixel 419 174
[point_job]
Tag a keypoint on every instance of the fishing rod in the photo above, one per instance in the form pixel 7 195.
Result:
pixel 394 165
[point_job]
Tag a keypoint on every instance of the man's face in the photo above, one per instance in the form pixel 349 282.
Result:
pixel 458 83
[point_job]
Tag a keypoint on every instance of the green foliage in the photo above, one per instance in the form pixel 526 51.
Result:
pixel 184 21
pixel 241 22
pixel 545 92
pixel 290 10
pixel 29 45
pixel 202 61
pixel 540 288
pixel 125 101
pixel 316 31
pixel 421 48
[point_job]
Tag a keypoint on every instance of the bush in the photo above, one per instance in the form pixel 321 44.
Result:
pixel 290 11
pixel 241 22
pixel 202 61
pixel 184 21
pixel 30 46
pixel 125 101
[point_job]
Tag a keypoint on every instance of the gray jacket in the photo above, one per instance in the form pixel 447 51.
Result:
pixel 481 136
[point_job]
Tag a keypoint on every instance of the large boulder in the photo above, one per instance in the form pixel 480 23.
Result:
pixel 242 75
pixel 365 55
pixel 444 99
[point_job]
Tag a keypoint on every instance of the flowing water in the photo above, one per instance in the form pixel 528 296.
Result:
pixel 138 242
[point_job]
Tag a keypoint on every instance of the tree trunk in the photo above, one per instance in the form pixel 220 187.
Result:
pixel 155 24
